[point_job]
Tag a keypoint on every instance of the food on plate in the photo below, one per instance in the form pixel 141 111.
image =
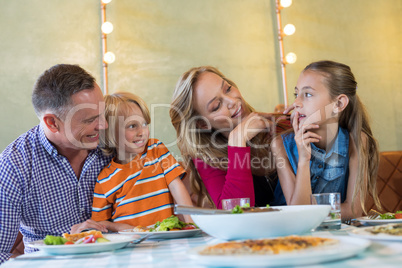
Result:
pixel 268 246
pixel 390 216
pixel 169 224
pixel 391 229
pixel 237 209
pixel 398 215
pixel 89 237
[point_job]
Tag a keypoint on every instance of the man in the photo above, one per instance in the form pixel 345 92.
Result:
pixel 47 175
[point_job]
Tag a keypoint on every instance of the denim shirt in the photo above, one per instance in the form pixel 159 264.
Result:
pixel 329 172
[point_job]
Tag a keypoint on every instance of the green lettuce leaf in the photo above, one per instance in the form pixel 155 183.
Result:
pixel 54 240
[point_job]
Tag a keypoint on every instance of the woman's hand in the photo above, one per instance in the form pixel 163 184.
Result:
pixel 250 126
pixel 288 109
pixel 88 224
pixel 303 137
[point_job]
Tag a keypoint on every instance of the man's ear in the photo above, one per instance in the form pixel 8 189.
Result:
pixel 340 103
pixel 52 122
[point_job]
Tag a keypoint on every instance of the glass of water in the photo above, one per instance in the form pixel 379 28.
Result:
pixel 231 203
pixel 333 220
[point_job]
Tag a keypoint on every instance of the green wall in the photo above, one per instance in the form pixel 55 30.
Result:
pixel 156 41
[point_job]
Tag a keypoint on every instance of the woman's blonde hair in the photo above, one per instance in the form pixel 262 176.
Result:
pixel 117 105
pixel 340 80
pixel 208 145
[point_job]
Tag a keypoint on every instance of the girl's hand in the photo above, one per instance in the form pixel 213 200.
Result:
pixel 303 137
pixel 250 126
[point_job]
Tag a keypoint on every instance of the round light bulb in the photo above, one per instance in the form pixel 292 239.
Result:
pixel 107 27
pixel 285 3
pixel 291 58
pixel 106 1
pixel 289 29
pixel 109 57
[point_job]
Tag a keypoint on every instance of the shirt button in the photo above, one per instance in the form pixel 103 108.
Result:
pixel 317 177
pixel 320 166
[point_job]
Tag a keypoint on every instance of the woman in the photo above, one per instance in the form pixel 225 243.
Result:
pixel 224 143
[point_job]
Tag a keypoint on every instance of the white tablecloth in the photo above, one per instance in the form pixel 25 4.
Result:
pixel 174 253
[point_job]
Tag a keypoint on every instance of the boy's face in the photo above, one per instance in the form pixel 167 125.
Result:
pixel 132 134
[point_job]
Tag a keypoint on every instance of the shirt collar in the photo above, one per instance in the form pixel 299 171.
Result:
pixel 340 146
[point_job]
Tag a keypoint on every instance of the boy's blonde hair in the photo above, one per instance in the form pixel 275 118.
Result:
pixel 117 105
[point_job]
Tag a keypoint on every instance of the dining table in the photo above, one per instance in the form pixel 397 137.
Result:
pixel 177 253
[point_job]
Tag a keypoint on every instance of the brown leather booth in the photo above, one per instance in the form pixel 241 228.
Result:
pixel 389 182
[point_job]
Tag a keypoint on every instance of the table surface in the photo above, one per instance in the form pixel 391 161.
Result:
pixel 174 253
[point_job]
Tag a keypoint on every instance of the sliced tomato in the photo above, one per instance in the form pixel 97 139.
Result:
pixel 189 227
pixel 69 243
pixel 398 215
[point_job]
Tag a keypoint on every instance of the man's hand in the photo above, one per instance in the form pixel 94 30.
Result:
pixel 77 228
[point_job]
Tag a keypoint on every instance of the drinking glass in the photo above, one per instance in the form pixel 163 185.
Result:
pixel 333 220
pixel 231 203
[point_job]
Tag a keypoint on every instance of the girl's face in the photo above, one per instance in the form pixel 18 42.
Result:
pixel 313 101
pixel 132 134
pixel 219 104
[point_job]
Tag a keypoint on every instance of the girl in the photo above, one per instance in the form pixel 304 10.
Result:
pixel 332 148
pixel 139 185
pixel 225 145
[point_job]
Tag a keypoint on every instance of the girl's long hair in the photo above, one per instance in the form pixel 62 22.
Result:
pixel 208 145
pixel 340 80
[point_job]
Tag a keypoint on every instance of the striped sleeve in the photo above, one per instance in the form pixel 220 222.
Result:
pixel 171 168
pixel 101 208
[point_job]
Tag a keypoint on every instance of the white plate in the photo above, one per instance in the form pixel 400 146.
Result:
pixel 116 241
pixel 365 220
pixel 165 235
pixel 364 232
pixel 290 220
pixel 347 247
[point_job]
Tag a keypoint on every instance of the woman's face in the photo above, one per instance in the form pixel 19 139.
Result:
pixel 219 104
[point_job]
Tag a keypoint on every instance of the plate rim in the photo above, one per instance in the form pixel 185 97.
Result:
pixel 364 219
pixel 332 254
pixel 39 244
pixel 384 237
pixel 156 234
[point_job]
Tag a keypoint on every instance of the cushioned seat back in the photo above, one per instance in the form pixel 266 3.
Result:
pixel 389 182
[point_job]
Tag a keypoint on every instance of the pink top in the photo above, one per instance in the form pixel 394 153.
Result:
pixel 237 182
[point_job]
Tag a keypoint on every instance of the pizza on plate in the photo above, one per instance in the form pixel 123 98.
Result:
pixel 391 229
pixel 268 246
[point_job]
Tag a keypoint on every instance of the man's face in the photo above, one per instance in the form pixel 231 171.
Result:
pixel 84 120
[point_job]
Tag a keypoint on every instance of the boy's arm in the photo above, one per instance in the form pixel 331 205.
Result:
pixel 116 226
pixel 180 195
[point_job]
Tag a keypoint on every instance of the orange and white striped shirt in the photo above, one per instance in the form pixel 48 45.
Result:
pixel 137 193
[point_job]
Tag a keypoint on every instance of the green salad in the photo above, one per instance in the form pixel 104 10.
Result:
pixel 170 223
pixel 238 209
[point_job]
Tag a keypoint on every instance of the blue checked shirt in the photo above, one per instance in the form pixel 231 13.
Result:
pixel 39 192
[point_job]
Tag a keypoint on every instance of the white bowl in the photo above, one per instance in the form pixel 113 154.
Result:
pixel 290 220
